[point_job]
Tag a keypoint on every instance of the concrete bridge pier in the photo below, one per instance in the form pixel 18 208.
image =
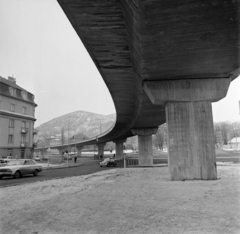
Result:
pixel 119 148
pixel 145 151
pixel 191 146
pixel 79 151
pixel 101 148
pixel 44 152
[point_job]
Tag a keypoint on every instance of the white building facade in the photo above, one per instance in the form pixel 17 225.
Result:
pixel 17 117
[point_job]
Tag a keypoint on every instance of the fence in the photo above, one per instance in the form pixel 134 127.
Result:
pixel 134 161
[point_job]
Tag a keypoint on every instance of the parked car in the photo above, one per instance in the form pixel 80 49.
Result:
pixel 65 156
pixel 7 157
pixel 19 167
pixel 4 160
pixel 45 158
pixel 108 162
pixel 37 158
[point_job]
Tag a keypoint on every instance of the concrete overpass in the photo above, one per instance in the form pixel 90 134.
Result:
pixel 163 61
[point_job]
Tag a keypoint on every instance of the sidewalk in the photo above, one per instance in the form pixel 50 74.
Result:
pixel 46 166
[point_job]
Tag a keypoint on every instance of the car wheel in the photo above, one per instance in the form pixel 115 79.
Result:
pixel 17 175
pixel 35 173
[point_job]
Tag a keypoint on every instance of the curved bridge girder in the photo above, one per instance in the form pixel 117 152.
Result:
pixel 133 41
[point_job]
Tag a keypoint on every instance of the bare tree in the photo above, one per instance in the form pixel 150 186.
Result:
pixel 160 138
pixel 133 141
pixel 235 129
pixel 224 131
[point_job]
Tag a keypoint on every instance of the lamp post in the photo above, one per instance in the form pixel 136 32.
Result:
pixel 100 126
pixel 68 136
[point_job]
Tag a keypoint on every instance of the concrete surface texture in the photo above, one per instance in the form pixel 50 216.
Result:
pixel 140 200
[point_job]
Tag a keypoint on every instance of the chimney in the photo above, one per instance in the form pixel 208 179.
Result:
pixel 13 80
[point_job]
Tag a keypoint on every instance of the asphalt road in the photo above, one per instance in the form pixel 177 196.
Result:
pixel 88 167
pixel 91 166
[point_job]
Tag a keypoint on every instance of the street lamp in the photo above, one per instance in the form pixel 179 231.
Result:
pixel 100 126
pixel 68 135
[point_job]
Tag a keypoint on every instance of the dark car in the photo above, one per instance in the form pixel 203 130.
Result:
pixel 108 162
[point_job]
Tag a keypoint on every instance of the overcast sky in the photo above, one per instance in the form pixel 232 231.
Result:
pixel 39 47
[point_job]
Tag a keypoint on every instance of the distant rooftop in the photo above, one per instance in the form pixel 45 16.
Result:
pixel 11 82
pixel 234 140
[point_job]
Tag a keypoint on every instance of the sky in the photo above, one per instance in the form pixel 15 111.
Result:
pixel 39 47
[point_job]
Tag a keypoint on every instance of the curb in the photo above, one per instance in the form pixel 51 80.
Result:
pixel 61 167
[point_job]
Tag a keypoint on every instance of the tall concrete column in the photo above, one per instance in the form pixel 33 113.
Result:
pixel 191 149
pixel 79 150
pixel 119 148
pixel 101 149
pixel 145 151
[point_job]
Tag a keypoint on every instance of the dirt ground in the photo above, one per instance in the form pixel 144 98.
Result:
pixel 133 200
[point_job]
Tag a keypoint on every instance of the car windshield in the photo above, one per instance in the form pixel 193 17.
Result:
pixel 15 162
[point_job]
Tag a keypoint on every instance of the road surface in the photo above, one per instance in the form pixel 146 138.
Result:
pixel 88 167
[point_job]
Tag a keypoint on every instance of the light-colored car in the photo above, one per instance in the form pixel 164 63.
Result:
pixel 4 160
pixel 37 158
pixel 19 167
pixel 108 162
pixel 7 157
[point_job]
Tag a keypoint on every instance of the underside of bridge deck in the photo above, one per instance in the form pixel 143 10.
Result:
pixel 138 45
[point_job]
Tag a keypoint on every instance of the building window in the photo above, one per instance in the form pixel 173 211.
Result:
pixel 10 139
pixel 24 95
pixel 23 138
pixel 11 123
pixel 23 124
pixel 24 110
pixel 12 107
pixel 12 91
pixel 10 152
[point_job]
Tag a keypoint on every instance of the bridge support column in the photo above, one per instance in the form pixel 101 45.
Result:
pixel 101 149
pixel 191 149
pixel 79 151
pixel 145 151
pixel 119 148
pixel 44 152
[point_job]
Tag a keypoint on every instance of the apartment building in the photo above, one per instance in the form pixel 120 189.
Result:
pixel 17 117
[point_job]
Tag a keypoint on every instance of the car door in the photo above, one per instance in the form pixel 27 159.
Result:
pixel 33 166
pixel 29 168
pixel 24 167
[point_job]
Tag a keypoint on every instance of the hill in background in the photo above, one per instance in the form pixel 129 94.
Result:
pixel 80 122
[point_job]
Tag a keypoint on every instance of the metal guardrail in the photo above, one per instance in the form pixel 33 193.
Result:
pixel 134 161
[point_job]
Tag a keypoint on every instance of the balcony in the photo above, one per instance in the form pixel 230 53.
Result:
pixel 24 130
pixel 23 144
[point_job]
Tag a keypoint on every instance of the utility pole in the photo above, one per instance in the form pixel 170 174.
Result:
pixel 68 135
pixel 62 139
pixel 100 126
pixel 68 142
